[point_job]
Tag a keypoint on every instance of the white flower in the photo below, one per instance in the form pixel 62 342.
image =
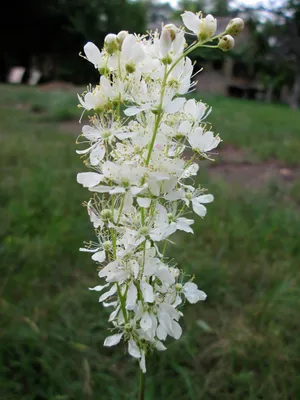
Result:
pixel 204 28
pixel 99 97
pixel 184 224
pixel 192 293
pixel 162 228
pixel 197 203
pixel 114 272
pixel 203 141
pixel 132 54
pixel 195 110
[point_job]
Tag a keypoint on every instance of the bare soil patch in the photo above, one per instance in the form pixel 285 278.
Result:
pixel 234 166
pixel 254 175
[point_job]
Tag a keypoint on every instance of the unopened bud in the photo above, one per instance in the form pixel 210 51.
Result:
pixel 165 43
pixel 110 43
pixel 121 36
pixel 226 43
pixel 235 26
pixel 172 29
pixel 208 27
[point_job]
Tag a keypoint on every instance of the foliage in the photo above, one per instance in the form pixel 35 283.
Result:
pixel 59 28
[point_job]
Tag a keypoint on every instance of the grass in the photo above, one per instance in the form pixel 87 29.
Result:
pixel 242 343
pixel 268 131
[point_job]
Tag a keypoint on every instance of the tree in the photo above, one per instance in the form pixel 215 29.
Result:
pixel 280 54
pixel 60 28
pixel 215 7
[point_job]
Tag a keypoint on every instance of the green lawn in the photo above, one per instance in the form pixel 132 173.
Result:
pixel 241 344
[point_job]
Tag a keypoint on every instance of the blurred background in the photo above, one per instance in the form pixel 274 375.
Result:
pixel 243 342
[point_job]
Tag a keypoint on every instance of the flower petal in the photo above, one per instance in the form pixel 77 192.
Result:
pixel 199 209
pixel 93 54
pixel 191 21
pixel 99 256
pixel 89 179
pixel 131 297
pixel 205 198
pixel 143 202
pixel 98 288
pixel 133 349
pixel 113 340
pixel 132 111
pixel 175 105
pixel 97 154
pixel 147 291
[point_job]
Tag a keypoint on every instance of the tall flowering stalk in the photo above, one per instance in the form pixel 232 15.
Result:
pixel 143 184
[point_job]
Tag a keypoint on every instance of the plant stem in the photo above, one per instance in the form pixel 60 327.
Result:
pixel 142 386
pixel 158 116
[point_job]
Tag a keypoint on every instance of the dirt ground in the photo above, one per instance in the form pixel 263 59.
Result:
pixel 234 166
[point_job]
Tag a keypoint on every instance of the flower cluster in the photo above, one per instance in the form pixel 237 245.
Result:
pixel 139 129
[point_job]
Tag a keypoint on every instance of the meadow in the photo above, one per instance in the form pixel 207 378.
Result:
pixel 242 343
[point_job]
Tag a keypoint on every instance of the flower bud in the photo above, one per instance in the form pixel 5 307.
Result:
pixel 235 26
pixel 121 36
pixel 226 43
pixel 165 42
pixel 208 27
pixel 172 29
pixel 110 43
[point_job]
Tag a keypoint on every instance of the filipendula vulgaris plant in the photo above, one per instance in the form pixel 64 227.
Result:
pixel 140 125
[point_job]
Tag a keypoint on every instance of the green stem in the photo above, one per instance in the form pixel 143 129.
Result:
pixel 165 248
pixel 164 84
pixel 192 48
pixel 142 386
pixel 158 117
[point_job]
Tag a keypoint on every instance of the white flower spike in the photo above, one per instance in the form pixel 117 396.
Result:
pixel 143 188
